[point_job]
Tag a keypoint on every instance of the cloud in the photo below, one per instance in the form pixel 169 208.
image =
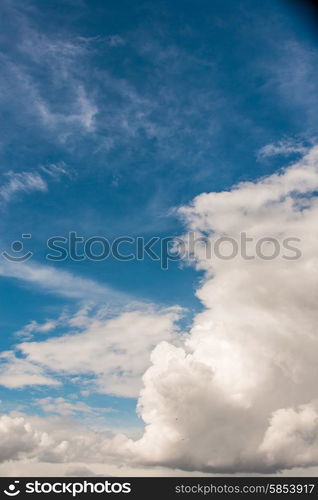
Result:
pixel 82 471
pixel 239 395
pixel 115 41
pixel 17 183
pixel 83 116
pixel 285 147
pixel 295 84
pixel 60 282
pixel 59 446
pixel 21 182
pixel 113 352
pixel 17 372
pixel 28 330
pixel 292 437
pixel 65 407
pixel 57 170
pixel 72 96
pixel 61 104
pixel 52 440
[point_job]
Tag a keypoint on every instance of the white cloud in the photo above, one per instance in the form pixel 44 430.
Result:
pixel 60 282
pixel 239 393
pixel 83 116
pixel 292 437
pixel 28 330
pixel 113 352
pixel 56 170
pixel 65 407
pixel 17 183
pixel 52 440
pixel 17 372
pixel 227 400
pixel 62 104
pixel 81 98
pixel 284 147
pixel 20 182
pixel 61 446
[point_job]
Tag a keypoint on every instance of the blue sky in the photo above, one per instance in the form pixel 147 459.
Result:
pixel 114 115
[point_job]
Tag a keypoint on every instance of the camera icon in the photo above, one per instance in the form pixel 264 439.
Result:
pixel 16 248
pixel 13 491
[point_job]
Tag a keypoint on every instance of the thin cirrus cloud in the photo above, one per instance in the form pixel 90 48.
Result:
pixel 66 407
pixel 21 182
pixel 17 183
pixel 107 110
pixel 59 282
pixel 284 147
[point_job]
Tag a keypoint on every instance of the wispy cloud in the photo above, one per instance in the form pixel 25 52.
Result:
pixel 60 282
pixel 23 182
pixel 67 407
pixel 112 352
pixel 83 116
pixel 16 372
pixel 56 170
pixel 16 183
pixel 284 147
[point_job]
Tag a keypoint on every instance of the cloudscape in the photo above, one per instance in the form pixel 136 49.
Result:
pixel 158 234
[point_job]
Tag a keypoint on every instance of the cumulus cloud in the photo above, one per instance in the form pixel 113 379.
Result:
pixel 296 430
pixel 238 396
pixel 59 446
pixel 53 440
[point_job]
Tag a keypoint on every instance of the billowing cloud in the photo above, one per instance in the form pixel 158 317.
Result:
pixel 296 430
pixel 53 440
pixel 240 394
pixel 59 446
